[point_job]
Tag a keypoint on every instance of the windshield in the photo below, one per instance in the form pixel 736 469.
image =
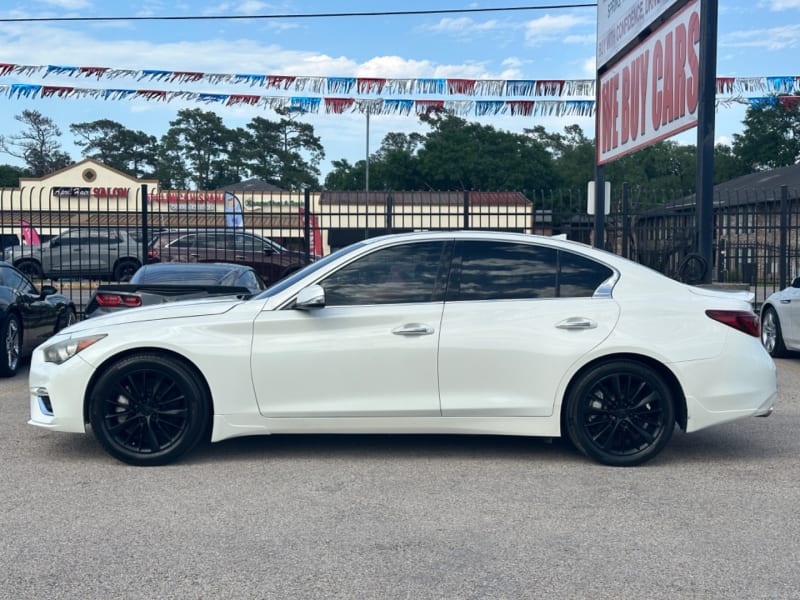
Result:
pixel 306 271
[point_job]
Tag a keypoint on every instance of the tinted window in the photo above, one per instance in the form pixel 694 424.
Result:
pixel 506 271
pixel 503 271
pixel 398 274
pixel 579 276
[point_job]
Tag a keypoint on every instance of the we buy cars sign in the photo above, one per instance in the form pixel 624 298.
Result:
pixel 652 93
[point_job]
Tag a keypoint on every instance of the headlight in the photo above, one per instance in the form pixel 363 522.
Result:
pixel 62 351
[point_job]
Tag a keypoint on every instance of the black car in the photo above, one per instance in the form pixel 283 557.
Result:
pixel 168 282
pixel 28 316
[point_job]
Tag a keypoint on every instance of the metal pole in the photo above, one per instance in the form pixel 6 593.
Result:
pixel 599 205
pixel 705 132
pixel 366 184
pixel 145 236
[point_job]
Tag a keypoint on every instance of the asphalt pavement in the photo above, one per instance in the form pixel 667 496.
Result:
pixel 441 517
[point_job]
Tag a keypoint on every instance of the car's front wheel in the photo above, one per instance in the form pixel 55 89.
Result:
pixel 149 409
pixel 620 413
pixel 11 336
pixel 66 318
pixel 771 333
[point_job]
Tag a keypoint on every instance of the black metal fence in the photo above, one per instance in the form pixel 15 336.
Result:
pixel 756 240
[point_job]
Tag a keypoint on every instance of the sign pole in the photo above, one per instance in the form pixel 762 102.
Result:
pixel 705 132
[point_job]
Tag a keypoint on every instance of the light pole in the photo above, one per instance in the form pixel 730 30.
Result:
pixel 366 182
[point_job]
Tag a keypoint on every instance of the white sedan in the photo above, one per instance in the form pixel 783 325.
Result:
pixel 436 332
pixel 780 321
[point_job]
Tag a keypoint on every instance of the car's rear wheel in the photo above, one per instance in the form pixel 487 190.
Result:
pixel 772 334
pixel 620 413
pixel 30 268
pixel 149 409
pixel 125 268
pixel 11 336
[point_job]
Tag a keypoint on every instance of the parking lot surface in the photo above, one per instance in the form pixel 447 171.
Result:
pixel 714 516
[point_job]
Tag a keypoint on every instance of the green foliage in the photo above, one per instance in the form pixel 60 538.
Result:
pixel 112 144
pixel 9 176
pixel 770 139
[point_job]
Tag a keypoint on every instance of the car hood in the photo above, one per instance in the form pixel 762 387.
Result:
pixel 171 310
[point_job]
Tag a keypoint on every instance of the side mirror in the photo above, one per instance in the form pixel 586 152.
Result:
pixel 311 297
pixel 48 290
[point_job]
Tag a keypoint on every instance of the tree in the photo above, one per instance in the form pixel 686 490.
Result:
pixel 9 175
pixel 200 142
pixel 38 145
pixel 771 136
pixel 111 143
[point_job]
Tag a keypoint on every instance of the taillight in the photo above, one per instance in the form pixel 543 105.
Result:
pixel 118 300
pixel 743 320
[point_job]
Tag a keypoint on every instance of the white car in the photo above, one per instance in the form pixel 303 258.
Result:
pixel 434 332
pixel 780 321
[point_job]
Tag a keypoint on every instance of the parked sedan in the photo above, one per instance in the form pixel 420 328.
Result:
pixel 28 316
pixel 270 260
pixel 169 282
pixel 446 332
pixel 780 321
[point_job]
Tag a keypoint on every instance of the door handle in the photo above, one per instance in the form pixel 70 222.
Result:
pixel 574 323
pixel 413 329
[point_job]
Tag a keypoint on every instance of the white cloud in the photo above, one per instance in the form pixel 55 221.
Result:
pixel 547 28
pixel 778 5
pixel 464 26
pixel 68 4
pixel 776 38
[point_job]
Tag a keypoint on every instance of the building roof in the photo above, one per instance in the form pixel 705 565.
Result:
pixel 424 198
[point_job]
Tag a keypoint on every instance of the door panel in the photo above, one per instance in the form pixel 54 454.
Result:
pixel 506 358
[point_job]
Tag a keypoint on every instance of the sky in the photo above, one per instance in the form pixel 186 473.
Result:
pixel 756 38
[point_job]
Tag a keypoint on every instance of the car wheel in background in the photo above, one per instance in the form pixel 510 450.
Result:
pixel 66 318
pixel 30 268
pixel 11 336
pixel 620 413
pixel 125 268
pixel 771 334
pixel 149 409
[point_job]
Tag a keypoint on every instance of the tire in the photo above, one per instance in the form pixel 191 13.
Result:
pixel 125 268
pixel 11 336
pixel 30 268
pixel 65 318
pixel 772 334
pixel 148 409
pixel 620 413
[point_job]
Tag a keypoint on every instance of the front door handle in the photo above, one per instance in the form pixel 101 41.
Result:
pixel 574 323
pixel 413 329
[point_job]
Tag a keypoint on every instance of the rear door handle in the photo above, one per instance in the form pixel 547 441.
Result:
pixel 574 323
pixel 413 329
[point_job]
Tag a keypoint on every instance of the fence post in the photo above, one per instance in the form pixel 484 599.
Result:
pixel 626 220
pixel 783 253
pixel 466 210
pixel 307 223
pixel 389 213
pixel 145 237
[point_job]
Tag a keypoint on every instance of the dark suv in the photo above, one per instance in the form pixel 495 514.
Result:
pixel 269 259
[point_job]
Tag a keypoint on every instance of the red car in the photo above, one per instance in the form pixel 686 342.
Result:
pixel 268 258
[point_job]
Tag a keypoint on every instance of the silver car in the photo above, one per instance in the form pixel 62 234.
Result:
pixel 780 321
pixel 80 252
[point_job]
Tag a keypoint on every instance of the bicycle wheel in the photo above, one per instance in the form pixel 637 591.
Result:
pixel 692 269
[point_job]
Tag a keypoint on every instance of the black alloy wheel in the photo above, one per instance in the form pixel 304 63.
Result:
pixel 148 409
pixel 620 413
pixel 11 336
